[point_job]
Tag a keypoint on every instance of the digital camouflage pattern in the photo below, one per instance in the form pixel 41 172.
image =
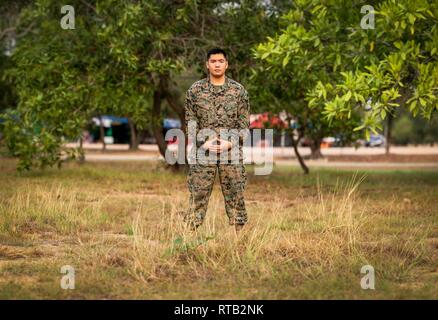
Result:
pixel 217 107
pixel 233 180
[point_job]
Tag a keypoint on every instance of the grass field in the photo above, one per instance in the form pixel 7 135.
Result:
pixel 120 226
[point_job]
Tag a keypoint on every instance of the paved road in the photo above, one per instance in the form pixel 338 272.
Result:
pixel 257 155
pixel 288 151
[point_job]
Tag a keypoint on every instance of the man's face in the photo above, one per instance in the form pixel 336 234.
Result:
pixel 217 64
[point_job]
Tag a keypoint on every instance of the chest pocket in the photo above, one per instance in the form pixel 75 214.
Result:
pixel 203 112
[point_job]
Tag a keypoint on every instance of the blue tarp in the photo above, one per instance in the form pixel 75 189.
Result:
pixel 167 122
pixel 171 123
pixel 116 119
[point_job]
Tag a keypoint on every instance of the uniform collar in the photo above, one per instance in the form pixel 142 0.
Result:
pixel 213 88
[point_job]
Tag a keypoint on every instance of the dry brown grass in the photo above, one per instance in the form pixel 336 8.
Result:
pixel 120 226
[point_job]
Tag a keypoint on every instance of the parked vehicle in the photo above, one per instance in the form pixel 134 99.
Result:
pixel 376 140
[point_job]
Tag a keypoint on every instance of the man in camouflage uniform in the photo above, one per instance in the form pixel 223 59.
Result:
pixel 217 103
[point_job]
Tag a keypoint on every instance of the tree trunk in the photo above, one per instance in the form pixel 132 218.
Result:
pixel 134 140
pixel 102 133
pixel 300 159
pixel 164 92
pixel 157 126
pixel 388 132
pixel 315 148
pixel 81 150
pixel 141 134
pixel 180 111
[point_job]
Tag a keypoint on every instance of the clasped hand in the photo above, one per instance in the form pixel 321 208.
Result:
pixel 213 146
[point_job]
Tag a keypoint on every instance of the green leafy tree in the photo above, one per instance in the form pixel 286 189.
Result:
pixel 9 34
pixel 396 66
pixel 313 47
pixel 408 129
pixel 116 60
pixel 123 57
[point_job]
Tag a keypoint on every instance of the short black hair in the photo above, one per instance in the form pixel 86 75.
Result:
pixel 216 51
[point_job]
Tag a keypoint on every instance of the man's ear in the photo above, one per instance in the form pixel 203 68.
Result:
pixel 206 64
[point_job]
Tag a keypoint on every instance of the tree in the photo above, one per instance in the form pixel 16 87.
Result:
pixel 312 47
pixel 408 129
pixel 51 80
pixel 123 57
pixel 113 61
pixel 396 66
pixel 9 33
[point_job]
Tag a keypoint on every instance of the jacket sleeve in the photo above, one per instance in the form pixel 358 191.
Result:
pixel 190 116
pixel 243 117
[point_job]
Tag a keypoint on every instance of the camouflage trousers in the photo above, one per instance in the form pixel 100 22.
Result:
pixel 200 180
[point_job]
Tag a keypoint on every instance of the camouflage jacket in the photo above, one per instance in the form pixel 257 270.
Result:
pixel 218 107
